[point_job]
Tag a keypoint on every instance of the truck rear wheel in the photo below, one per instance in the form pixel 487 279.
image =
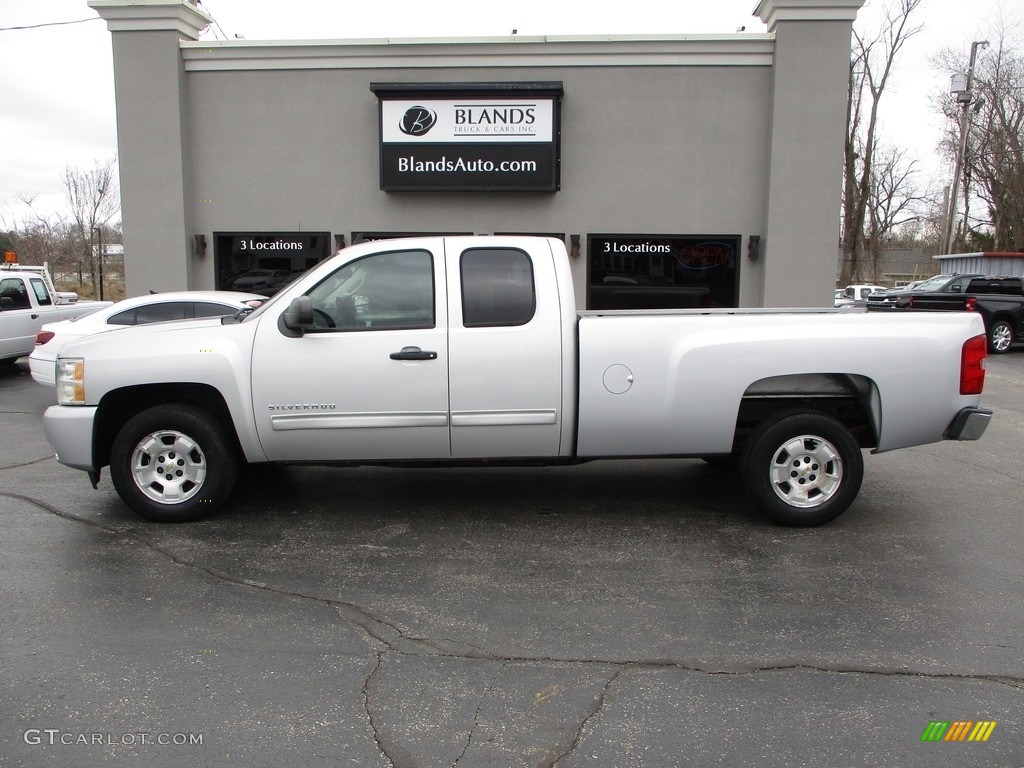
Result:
pixel 802 469
pixel 173 463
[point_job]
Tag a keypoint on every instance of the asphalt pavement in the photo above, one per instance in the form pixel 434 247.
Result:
pixel 611 614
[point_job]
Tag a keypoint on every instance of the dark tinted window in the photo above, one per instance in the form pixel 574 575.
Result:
pixel 208 309
pixel 497 287
pixel 12 290
pixel 1010 285
pixel 158 313
pixel 127 317
pixel 384 291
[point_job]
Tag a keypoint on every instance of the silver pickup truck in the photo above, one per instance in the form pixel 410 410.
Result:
pixel 471 349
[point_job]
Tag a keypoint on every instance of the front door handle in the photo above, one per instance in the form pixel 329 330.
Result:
pixel 413 353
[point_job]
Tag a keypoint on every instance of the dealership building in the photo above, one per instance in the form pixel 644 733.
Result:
pixel 680 170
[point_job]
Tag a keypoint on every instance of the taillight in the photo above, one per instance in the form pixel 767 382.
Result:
pixel 972 366
pixel 44 336
pixel 972 304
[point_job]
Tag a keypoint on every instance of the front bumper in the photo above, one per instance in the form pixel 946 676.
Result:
pixel 969 424
pixel 69 430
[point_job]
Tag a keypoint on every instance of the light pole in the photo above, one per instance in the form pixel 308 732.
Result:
pixel 99 250
pixel 962 88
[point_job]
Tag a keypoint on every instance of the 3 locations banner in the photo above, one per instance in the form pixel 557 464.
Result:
pixel 481 142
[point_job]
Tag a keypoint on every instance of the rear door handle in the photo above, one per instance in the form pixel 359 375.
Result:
pixel 413 353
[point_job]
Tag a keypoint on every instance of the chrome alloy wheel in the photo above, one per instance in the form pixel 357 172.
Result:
pixel 168 467
pixel 806 471
pixel 1001 337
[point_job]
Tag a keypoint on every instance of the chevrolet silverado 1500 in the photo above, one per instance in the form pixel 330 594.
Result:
pixel 471 350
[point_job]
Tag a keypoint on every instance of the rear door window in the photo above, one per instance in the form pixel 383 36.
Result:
pixel 497 288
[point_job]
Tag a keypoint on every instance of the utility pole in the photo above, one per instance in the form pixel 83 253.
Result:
pixel 964 95
pixel 99 250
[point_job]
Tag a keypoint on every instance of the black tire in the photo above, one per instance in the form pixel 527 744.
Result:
pixel 1000 337
pixel 173 463
pixel 802 468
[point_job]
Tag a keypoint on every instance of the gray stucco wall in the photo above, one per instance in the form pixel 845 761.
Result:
pixel 298 150
pixel 738 134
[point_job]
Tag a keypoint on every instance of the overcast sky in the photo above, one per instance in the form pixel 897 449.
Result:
pixel 57 83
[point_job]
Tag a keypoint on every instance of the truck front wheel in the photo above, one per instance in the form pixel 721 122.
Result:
pixel 802 469
pixel 173 463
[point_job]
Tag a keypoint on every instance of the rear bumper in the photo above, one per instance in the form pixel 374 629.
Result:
pixel 969 424
pixel 69 430
pixel 42 369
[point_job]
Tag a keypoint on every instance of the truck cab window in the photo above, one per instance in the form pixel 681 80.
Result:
pixel 386 291
pixel 497 288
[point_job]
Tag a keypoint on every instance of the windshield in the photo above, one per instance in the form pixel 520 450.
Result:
pixel 936 283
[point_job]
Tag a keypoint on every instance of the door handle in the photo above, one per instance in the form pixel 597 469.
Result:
pixel 413 353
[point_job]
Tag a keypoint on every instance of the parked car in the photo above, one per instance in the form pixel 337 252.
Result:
pixel 265 281
pixel 141 310
pixel 856 295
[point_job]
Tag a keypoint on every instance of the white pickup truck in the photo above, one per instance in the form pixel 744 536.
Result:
pixel 471 350
pixel 28 300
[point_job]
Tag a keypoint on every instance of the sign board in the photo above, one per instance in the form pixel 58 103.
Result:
pixel 453 137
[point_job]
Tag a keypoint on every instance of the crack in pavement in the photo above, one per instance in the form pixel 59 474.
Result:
pixel 479 707
pixel 590 714
pixel 378 738
pixel 389 637
pixel 29 463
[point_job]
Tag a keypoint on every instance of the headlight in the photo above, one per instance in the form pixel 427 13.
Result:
pixel 70 381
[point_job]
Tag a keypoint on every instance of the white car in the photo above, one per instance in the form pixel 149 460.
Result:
pixel 263 280
pixel 154 308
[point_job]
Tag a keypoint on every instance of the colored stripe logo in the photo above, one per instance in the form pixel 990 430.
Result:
pixel 958 730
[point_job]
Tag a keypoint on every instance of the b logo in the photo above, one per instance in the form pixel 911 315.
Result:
pixel 417 121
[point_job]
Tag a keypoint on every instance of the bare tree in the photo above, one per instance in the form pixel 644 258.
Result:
pixel 997 163
pixel 892 200
pixel 993 166
pixel 38 238
pixel 93 199
pixel 871 65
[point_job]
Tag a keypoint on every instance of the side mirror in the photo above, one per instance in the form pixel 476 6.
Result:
pixel 297 318
pixel 956 288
